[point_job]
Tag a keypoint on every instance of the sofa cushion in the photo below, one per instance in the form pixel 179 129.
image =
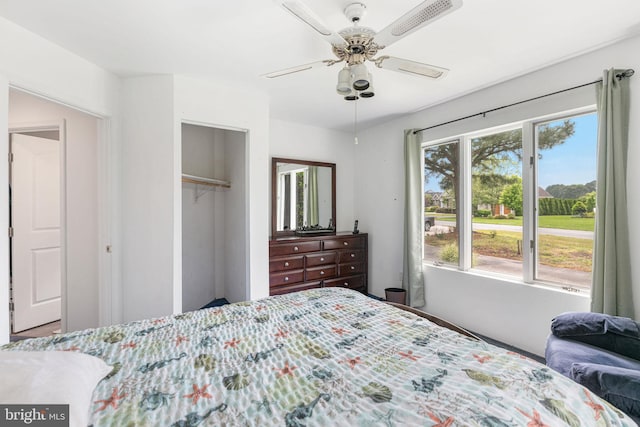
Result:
pixel 561 353
pixel 619 386
pixel 618 334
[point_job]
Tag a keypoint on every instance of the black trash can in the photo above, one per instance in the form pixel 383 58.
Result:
pixel 397 295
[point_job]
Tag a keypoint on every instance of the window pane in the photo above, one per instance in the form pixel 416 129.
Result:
pixel 496 186
pixel 566 200
pixel 441 180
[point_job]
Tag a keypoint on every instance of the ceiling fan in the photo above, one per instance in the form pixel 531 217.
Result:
pixel 356 44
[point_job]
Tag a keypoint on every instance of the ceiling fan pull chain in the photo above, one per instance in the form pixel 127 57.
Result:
pixel 355 122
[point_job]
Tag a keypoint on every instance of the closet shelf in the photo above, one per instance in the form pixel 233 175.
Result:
pixel 212 182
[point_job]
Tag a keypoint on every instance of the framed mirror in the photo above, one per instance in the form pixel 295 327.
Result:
pixel 303 197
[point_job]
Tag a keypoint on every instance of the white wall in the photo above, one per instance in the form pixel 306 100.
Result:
pixel 33 63
pixel 66 78
pixel 148 193
pixel 513 313
pixel 82 201
pixel 303 142
pixel 5 325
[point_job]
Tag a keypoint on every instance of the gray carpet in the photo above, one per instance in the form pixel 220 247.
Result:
pixel 510 348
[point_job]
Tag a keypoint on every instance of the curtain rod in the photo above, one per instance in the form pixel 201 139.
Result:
pixel 626 73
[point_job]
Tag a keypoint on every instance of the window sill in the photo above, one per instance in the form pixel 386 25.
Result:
pixel 553 287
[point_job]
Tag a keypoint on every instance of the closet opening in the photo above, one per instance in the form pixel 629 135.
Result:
pixel 214 212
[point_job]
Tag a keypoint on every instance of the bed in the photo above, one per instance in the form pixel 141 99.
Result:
pixel 322 357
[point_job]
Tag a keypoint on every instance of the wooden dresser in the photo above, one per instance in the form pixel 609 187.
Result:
pixel 297 263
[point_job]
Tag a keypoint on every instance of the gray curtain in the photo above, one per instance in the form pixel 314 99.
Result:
pixel 412 277
pixel 611 290
pixel 313 216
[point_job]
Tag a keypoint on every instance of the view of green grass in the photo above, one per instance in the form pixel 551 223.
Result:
pixel 565 252
pixel 502 244
pixel 555 251
pixel 565 222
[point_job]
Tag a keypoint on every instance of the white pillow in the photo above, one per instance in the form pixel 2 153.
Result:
pixel 51 377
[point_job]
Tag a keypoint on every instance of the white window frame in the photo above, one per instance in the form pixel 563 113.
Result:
pixel 529 196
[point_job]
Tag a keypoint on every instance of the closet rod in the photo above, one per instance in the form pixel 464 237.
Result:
pixel 205 181
pixel 626 73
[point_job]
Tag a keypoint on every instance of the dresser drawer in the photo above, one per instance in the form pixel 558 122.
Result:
pixel 286 277
pixel 351 268
pixel 352 282
pixel 294 248
pixel 351 256
pixel 319 273
pixel 322 258
pixel 286 263
pixel 344 243
pixel 278 290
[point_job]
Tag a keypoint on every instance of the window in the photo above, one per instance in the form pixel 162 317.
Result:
pixel 516 201
pixel 496 194
pixel 566 199
pixel 441 183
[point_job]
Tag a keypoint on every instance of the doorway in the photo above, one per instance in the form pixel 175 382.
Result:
pixel 36 201
pixel 84 213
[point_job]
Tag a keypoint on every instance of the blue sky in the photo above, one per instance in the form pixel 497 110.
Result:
pixel 573 162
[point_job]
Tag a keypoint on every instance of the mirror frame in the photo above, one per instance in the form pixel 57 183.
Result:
pixel 274 192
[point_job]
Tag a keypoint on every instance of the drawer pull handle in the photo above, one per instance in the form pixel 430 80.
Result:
pixel 346 284
pixel 353 267
pixel 322 259
pixel 286 279
pixel 286 264
pixel 353 255
pixel 322 273
pixel 295 249
pixel 346 243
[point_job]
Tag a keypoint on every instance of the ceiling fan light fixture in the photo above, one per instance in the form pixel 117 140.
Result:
pixel 344 82
pixel 368 92
pixel 360 77
pixel 353 96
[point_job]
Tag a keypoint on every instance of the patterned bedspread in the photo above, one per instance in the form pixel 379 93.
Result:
pixel 324 357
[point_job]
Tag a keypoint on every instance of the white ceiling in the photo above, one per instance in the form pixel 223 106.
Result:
pixel 484 42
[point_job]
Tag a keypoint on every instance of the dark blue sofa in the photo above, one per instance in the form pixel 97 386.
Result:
pixel 602 353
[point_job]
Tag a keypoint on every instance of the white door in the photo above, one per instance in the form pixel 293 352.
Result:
pixel 35 217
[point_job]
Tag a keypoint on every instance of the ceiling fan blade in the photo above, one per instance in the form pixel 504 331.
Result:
pixel 299 68
pixel 301 11
pixel 421 15
pixel 410 67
